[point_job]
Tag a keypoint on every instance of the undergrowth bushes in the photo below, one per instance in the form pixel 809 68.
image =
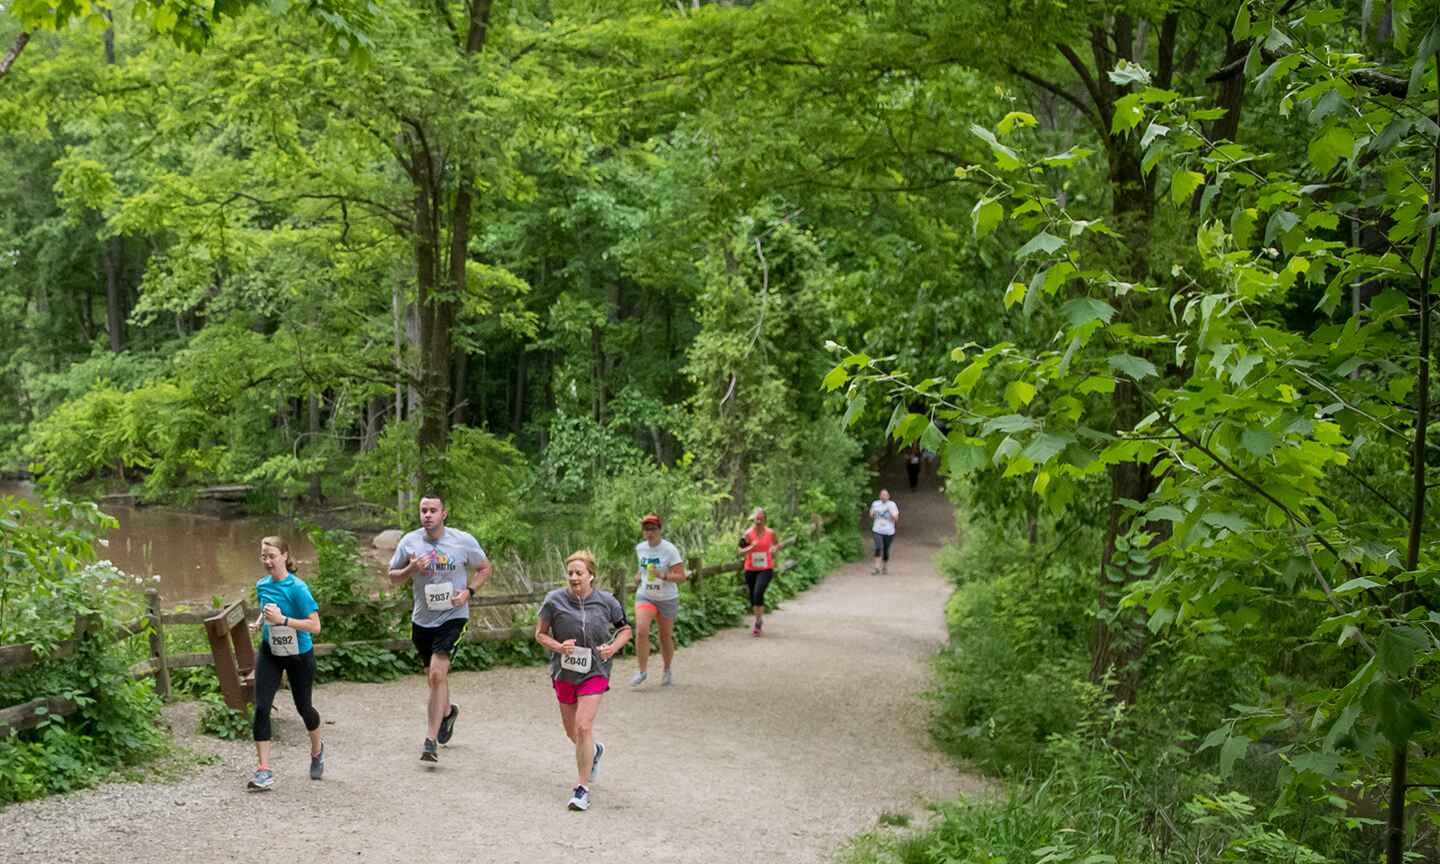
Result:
pixel 1084 777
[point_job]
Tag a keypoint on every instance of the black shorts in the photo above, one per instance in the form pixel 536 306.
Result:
pixel 437 640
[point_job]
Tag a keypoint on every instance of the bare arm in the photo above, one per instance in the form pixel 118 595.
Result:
pixel 482 575
pixel 676 573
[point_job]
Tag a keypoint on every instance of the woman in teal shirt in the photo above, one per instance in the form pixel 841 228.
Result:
pixel 288 619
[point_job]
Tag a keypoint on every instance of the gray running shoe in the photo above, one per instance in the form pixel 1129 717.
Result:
pixel 447 724
pixel 665 679
pixel 317 763
pixel 428 752
pixel 637 679
pixel 595 763
pixel 581 799
pixel 264 778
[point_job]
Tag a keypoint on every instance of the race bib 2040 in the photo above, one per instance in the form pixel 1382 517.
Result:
pixel 760 560
pixel 578 660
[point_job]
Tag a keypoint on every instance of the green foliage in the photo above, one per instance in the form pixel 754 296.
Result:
pixel 48 579
pixel 480 476
pixel 579 453
pixel 222 721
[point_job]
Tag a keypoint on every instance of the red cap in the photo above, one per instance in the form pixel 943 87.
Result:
pixel 649 519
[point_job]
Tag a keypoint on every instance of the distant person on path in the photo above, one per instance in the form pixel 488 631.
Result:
pixel 758 545
pixel 439 562
pixel 884 516
pixel 584 627
pixel 288 619
pixel 657 595
pixel 913 456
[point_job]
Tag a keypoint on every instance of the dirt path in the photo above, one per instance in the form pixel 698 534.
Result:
pixel 775 749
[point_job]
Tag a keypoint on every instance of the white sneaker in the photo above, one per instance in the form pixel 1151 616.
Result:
pixel 665 679
pixel 637 679
pixel 580 800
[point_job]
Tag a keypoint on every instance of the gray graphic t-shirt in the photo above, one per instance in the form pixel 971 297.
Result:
pixel 656 561
pixel 449 562
pixel 590 622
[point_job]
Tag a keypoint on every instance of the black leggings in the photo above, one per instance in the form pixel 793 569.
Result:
pixel 757 581
pixel 301 669
pixel 882 544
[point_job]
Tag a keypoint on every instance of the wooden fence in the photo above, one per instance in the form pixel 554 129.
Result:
pixel 31 714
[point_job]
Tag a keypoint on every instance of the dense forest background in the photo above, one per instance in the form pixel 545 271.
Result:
pixel 1154 278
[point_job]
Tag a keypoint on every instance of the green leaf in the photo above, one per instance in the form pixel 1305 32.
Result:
pixel 985 216
pixel 970 376
pixel 1428 46
pixel 1009 424
pixel 1128 364
pixel 1057 276
pixel 1258 441
pixel 1074 154
pixel 1231 752
pixel 1042 242
pixel 836 379
pixel 1046 446
pixel 1083 310
pixel 854 409
pixel 1359 583
pixel 1128 114
pixel 1005 158
pixel 1152 132
pixel 1126 73
pixel 1241 28
pixel 961 459
pixel 1329 147
pixel 1324 764
pixel 1097 384
pixel 1398 648
pixel 1019 393
pixel 1009 121
pixel 1183 184
pixel 1014 294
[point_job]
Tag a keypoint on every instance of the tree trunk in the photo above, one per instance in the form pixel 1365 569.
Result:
pixel 316 490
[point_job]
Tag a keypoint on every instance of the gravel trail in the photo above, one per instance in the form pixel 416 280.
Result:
pixel 775 749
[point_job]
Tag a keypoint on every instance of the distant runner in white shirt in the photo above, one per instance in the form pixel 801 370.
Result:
pixel 657 595
pixel 884 516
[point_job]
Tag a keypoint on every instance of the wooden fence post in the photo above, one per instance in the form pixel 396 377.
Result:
pixel 233 653
pixel 696 577
pixel 157 643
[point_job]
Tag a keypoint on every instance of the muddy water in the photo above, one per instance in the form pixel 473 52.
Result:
pixel 196 556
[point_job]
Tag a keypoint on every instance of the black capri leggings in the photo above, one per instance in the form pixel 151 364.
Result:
pixel 757 581
pixel 882 544
pixel 301 669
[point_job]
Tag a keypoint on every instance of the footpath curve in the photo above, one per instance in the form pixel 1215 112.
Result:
pixel 775 749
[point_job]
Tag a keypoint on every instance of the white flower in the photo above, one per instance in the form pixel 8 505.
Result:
pixel 104 543
pixel 156 578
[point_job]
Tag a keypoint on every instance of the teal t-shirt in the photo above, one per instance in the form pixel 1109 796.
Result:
pixel 293 597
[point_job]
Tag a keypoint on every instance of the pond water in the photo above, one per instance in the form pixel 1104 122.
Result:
pixel 195 555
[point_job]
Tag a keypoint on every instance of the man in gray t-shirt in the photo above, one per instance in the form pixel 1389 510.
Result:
pixel 438 561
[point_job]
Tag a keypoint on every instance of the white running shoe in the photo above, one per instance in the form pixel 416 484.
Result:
pixel 595 763
pixel 637 679
pixel 665 679
pixel 581 799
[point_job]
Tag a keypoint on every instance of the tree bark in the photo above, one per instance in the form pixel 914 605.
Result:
pixel 21 40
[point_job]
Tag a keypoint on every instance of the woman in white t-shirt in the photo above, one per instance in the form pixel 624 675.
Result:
pixel 884 516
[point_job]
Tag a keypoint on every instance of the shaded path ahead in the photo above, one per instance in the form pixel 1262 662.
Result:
pixel 775 749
